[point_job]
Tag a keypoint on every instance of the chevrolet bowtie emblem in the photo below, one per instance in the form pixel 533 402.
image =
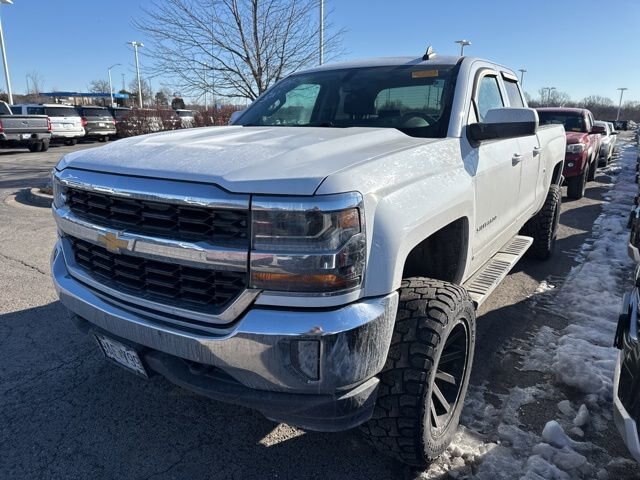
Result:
pixel 112 243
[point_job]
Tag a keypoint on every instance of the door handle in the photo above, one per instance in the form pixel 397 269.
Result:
pixel 536 151
pixel 516 159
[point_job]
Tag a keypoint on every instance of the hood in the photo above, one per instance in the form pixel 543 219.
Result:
pixel 576 137
pixel 289 160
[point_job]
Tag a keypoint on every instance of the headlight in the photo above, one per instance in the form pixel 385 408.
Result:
pixel 312 246
pixel 576 148
pixel 59 197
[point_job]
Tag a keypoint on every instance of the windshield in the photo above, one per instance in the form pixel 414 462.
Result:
pixel 61 112
pixel 184 113
pixel 95 112
pixel 412 98
pixel 572 122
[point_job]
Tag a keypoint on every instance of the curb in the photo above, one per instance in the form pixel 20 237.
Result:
pixel 34 197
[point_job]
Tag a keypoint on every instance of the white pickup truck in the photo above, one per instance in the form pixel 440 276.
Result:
pixel 322 259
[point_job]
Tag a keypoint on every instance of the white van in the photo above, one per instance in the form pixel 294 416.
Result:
pixel 66 123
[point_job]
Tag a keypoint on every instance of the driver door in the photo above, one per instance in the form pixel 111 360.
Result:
pixel 497 179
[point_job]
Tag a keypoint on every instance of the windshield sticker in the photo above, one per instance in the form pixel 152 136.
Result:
pixel 424 74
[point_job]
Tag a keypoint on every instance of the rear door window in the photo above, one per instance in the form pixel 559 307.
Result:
pixel 35 111
pixel 488 96
pixel 95 112
pixel 61 112
pixel 513 92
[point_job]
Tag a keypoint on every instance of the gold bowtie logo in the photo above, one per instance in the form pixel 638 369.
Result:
pixel 111 242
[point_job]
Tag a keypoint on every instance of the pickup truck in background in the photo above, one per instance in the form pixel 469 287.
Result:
pixel 24 131
pixel 583 145
pixel 322 259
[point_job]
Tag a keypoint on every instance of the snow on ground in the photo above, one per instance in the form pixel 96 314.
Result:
pixel 492 443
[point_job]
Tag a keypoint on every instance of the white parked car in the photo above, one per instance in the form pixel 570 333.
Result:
pixel 608 142
pixel 187 119
pixel 66 123
pixel 322 259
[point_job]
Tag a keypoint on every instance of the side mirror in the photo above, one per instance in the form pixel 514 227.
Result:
pixel 615 132
pixel 235 116
pixel 598 129
pixel 505 123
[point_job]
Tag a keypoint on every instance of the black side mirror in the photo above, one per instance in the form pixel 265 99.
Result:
pixel 505 123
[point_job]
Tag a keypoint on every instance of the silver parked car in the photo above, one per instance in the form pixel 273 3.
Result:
pixel 608 142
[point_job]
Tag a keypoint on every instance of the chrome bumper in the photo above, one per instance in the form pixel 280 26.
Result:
pixel 289 350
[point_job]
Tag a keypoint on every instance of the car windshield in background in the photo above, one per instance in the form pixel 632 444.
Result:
pixel 95 112
pixel 413 99
pixel 187 113
pixel 572 123
pixel 120 114
pixel 61 112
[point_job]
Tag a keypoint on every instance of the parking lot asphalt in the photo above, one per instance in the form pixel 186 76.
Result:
pixel 67 413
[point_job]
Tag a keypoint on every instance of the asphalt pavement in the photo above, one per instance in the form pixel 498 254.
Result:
pixel 67 413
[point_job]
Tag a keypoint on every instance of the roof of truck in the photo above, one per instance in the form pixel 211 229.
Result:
pixel 388 62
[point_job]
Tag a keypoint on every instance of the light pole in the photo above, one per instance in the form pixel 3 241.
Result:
pixel 4 56
pixel 110 84
pixel 321 52
pixel 522 72
pixel 549 89
pixel 135 46
pixel 622 89
pixel 462 43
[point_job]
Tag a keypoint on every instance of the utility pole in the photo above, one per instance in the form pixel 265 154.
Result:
pixel 549 89
pixel 522 72
pixel 462 43
pixel 110 84
pixel 135 46
pixel 321 52
pixel 4 56
pixel 622 89
pixel 206 85
pixel 123 86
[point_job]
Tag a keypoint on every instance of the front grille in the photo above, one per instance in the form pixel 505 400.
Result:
pixel 198 289
pixel 178 222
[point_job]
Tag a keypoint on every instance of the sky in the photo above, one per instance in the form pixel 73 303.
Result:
pixel 582 47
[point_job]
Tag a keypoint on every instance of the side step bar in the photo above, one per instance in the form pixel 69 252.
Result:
pixel 488 277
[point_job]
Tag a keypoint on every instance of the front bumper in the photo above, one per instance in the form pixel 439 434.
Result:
pixel 312 368
pixel 574 164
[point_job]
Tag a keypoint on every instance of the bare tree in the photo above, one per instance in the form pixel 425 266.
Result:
pixel 596 102
pixel 233 48
pixel 35 82
pixel 99 86
pixel 147 91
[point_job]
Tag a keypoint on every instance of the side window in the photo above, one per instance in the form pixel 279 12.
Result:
pixel 297 107
pixel 16 110
pixel 488 96
pixel 35 111
pixel 513 92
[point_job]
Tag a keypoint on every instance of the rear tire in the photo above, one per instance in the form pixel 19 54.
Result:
pixel 35 147
pixel 543 227
pixel 576 186
pixel 425 379
pixel 45 146
pixel 593 166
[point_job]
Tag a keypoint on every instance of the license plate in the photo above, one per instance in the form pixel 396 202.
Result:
pixel 101 124
pixel 25 136
pixel 123 355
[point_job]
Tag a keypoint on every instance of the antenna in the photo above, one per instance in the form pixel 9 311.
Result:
pixel 429 54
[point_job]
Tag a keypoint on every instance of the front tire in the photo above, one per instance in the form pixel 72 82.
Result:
pixel 576 186
pixel 593 166
pixel 425 378
pixel 543 227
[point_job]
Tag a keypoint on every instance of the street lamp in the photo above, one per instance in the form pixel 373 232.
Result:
pixel 622 89
pixel 110 84
pixel 522 72
pixel 4 56
pixel 321 52
pixel 549 89
pixel 135 46
pixel 462 43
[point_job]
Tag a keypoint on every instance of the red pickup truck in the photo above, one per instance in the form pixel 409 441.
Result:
pixel 583 145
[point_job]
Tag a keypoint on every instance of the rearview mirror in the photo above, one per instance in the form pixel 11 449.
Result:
pixel 235 116
pixel 505 123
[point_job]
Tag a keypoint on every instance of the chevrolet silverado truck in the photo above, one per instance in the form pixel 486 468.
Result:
pixel 24 131
pixel 322 259
pixel 583 145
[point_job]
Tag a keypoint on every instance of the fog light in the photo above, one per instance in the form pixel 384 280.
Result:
pixel 305 358
pixel 570 165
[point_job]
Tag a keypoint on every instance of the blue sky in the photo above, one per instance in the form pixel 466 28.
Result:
pixel 582 47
